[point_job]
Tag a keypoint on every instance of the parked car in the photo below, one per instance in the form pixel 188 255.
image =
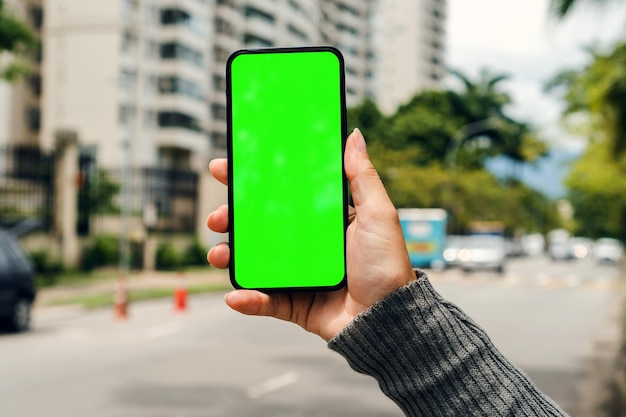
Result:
pixel 580 247
pixel 533 244
pixel 17 284
pixel 558 245
pixel 483 252
pixel 454 244
pixel 607 250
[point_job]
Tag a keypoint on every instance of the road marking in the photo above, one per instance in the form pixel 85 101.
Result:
pixel 162 330
pixel 273 384
pixel 572 281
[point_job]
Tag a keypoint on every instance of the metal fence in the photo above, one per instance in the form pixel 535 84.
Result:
pixel 26 185
pixel 156 199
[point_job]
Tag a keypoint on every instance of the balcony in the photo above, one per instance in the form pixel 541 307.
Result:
pixel 175 137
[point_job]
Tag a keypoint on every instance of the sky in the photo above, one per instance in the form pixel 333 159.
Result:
pixel 520 38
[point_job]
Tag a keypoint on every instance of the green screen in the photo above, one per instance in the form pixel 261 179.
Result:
pixel 287 189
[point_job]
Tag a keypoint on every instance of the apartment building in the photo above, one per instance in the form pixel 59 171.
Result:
pixel 345 24
pixel 145 79
pixel 411 49
pixel 129 77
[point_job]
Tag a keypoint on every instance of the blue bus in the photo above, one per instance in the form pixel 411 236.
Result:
pixel 425 235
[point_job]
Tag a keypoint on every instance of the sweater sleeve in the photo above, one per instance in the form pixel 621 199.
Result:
pixel 433 360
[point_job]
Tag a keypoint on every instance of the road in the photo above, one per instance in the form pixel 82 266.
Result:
pixel 559 322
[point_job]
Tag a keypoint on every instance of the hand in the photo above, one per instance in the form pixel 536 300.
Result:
pixel 376 255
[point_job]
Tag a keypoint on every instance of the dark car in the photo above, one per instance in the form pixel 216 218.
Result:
pixel 17 284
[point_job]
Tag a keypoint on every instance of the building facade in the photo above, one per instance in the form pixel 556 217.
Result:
pixel 130 77
pixel 143 81
pixel 411 49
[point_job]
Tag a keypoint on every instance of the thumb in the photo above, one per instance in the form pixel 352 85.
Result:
pixel 365 184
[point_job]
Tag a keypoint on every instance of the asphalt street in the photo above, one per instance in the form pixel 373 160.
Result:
pixel 560 322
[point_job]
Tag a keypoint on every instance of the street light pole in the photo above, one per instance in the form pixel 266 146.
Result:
pixel 452 150
pixel 465 132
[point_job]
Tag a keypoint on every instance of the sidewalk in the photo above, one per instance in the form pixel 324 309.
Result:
pixel 51 297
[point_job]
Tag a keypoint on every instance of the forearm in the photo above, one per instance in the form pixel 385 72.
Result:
pixel 432 359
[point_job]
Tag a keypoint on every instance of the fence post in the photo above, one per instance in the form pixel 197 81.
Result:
pixel 65 191
pixel 211 195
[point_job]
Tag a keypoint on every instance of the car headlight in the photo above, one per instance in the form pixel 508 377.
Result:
pixel 465 255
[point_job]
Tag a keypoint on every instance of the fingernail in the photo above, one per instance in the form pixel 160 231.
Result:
pixel 226 297
pixel 359 140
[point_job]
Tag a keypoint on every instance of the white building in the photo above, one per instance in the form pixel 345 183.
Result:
pixel 145 79
pixel 411 40
pixel 130 77
pixel 345 24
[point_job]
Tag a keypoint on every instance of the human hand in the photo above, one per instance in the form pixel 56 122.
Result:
pixel 376 255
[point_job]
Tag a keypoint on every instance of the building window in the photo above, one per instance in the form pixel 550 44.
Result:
pixel 219 83
pixel 218 111
pixel 218 139
pixel 35 15
pixel 33 119
pixel 177 85
pixel 179 120
pixel 254 13
pixel 345 8
pixel 297 33
pixel 253 40
pixel 129 40
pixel 175 50
pixel 298 8
pixel 220 54
pixel 35 84
pixel 179 17
pixel 126 114
pixel 224 27
pixel 342 27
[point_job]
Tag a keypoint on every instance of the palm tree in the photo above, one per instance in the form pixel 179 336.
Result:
pixel 562 8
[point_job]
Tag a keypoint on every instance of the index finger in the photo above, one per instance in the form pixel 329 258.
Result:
pixel 219 169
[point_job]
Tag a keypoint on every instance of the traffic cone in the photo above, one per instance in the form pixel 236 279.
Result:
pixel 120 299
pixel 180 294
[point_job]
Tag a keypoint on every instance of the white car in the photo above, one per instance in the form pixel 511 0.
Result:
pixel 607 250
pixel 454 244
pixel 483 252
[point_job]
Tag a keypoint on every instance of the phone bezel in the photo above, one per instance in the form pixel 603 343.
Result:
pixel 229 139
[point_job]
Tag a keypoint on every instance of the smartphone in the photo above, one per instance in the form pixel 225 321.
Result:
pixel 287 190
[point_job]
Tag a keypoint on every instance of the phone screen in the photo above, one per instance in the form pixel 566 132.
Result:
pixel 287 188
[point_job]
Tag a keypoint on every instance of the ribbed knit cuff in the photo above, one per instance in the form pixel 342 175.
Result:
pixel 433 360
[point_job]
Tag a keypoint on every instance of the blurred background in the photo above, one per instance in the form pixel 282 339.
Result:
pixel 497 126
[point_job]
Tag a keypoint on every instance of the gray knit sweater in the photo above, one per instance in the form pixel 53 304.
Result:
pixel 433 360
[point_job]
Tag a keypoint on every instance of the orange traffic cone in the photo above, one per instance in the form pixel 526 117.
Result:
pixel 180 295
pixel 120 299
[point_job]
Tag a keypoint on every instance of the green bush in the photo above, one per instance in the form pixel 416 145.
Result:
pixel 103 251
pixel 195 254
pixel 46 267
pixel 167 258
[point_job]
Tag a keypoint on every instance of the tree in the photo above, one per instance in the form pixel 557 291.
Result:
pixel 599 92
pixel 563 8
pixel 16 42
pixel 488 130
pixel 597 190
